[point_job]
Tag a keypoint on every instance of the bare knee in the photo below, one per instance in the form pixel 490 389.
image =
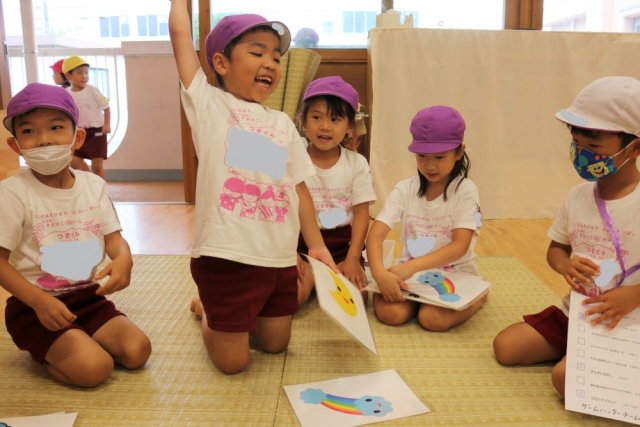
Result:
pixel 136 353
pixel 230 365
pixel 91 372
pixel 558 377
pixel 274 347
pixel 389 316
pixel 433 321
pixel 502 348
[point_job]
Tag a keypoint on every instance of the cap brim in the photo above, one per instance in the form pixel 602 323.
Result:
pixel 283 33
pixel 432 147
pixel 571 118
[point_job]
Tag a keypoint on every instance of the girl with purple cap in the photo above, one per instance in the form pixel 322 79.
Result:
pixel 251 199
pixel 342 188
pixel 439 210
pixel 57 225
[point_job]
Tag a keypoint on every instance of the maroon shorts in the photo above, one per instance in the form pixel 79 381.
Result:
pixel 553 325
pixel 29 334
pixel 95 145
pixel 234 294
pixel 337 240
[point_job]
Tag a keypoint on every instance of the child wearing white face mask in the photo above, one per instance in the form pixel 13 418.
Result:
pixel 57 225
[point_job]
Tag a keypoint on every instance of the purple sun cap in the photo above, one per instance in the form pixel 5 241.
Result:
pixel 436 129
pixel 233 26
pixel 36 95
pixel 334 86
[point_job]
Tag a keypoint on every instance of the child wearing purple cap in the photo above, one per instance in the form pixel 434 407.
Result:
pixel 439 210
pixel 251 199
pixel 57 224
pixel 595 244
pixel 342 188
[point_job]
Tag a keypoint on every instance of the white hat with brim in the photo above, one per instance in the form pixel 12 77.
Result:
pixel 608 104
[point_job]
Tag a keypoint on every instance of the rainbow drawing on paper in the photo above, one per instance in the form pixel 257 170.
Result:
pixel 445 287
pixel 368 405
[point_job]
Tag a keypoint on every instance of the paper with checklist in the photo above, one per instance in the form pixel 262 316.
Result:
pixel 603 366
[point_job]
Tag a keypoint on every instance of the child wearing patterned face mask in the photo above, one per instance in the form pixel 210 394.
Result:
pixel 57 225
pixel 604 122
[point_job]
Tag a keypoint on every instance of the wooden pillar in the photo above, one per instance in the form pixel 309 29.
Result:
pixel 523 14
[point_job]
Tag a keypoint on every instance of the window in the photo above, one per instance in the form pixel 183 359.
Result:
pixel 358 22
pixel 338 23
pixel 464 14
pixel 152 25
pixel 578 15
pixel 114 26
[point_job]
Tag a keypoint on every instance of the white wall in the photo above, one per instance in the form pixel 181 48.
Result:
pixel 153 138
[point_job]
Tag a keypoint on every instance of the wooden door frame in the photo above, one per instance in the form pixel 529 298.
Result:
pixel 5 81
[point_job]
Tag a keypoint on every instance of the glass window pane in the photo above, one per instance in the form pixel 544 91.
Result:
pixel 142 26
pixel 617 16
pixel 153 25
pixel 332 21
pixel 115 26
pixel 76 22
pixel 467 14
pixel 104 27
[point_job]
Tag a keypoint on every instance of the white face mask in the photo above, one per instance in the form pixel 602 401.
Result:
pixel 49 160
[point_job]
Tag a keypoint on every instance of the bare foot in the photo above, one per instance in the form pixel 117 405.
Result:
pixel 196 308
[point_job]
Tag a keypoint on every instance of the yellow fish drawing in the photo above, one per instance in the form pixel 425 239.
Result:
pixel 342 295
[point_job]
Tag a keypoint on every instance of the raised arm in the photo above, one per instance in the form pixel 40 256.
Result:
pixel 182 43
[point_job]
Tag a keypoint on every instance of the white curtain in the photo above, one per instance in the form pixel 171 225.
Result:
pixel 508 85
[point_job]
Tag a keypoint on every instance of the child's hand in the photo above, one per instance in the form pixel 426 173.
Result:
pixel 581 270
pixel 52 313
pixel 615 304
pixel 119 272
pixel 390 285
pixel 106 129
pixel 352 270
pixel 323 254
pixel 403 270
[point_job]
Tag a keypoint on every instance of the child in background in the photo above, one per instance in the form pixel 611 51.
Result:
pixel 440 214
pixel 244 264
pixel 604 121
pixel 95 116
pixel 58 76
pixel 342 188
pixel 57 224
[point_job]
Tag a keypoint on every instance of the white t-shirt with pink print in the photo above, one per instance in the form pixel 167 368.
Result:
pixel 250 159
pixel 578 224
pixel 428 225
pixel 91 105
pixel 56 237
pixel 336 190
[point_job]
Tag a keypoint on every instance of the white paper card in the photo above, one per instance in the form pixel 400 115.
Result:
pixel 58 419
pixel 442 288
pixel 603 367
pixel 354 401
pixel 341 301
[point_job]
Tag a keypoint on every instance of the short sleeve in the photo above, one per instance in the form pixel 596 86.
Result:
pixel 12 215
pixel 394 207
pixel 301 166
pixel 559 229
pixel 467 205
pixel 362 190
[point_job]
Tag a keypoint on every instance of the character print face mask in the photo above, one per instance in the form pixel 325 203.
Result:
pixel 592 166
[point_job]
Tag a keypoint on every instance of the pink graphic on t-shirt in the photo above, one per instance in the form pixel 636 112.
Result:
pixel 267 202
pixel 51 282
pixel 282 201
pixel 231 192
pixel 250 201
